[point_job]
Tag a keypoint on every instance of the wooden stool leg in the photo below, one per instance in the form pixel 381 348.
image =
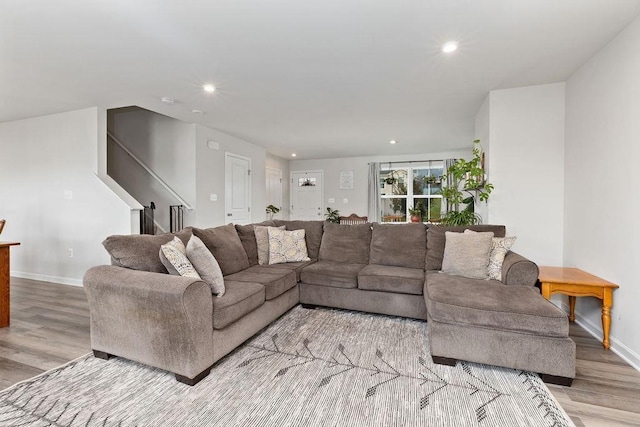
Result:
pixel 572 309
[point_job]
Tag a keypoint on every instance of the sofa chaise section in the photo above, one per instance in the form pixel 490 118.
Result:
pixel 504 323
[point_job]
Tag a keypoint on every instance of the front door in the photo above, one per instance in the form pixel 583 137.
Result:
pixel 306 195
pixel 237 189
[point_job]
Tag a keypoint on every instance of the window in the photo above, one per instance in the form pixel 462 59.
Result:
pixel 415 186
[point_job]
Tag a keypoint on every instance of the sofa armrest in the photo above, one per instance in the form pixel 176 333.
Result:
pixel 157 319
pixel 518 270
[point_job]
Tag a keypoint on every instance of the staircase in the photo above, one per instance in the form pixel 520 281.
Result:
pixel 142 183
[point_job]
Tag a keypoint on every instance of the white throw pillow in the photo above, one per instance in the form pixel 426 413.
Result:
pixel 499 248
pixel 467 254
pixel 262 242
pixel 176 254
pixel 287 246
pixel 206 265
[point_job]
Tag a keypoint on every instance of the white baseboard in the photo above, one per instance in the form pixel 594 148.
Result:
pixel 627 354
pixel 46 278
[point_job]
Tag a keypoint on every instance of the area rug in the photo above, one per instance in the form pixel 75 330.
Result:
pixel 309 368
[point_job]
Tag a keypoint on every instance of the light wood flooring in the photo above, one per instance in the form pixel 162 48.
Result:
pixel 50 326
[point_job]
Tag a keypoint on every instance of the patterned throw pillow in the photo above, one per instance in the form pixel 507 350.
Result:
pixel 499 248
pixel 287 246
pixel 262 242
pixel 176 255
pixel 206 265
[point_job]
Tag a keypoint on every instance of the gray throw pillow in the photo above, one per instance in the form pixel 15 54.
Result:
pixel 225 245
pixel 206 265
pixel 467 255
pixel 262 241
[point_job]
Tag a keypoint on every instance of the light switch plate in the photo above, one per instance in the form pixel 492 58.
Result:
pixel 345 200
pixel 332 200
pixel 68 195
pixel 213 197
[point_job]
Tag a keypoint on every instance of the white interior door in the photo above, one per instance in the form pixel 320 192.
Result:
pixel 274 190
pixel 237 189
pixel 306 195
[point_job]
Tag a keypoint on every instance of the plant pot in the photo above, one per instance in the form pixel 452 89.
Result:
pixel 415 218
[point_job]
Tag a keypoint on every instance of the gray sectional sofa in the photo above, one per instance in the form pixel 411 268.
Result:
pixel 140 312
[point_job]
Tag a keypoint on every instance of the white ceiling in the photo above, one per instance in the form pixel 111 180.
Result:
pixel 323 78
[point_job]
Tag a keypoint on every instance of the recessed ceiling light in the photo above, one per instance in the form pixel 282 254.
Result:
pixel 209 88
pixel 393 141
pixel 449 47
pixel 197 111
pixel 293 154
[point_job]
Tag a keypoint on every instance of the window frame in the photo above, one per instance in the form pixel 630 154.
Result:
pixel 411 198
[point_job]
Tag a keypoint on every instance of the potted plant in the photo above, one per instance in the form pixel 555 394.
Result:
pixel 272 210
pixel 470 176
pixel 332 215
pixel 417 212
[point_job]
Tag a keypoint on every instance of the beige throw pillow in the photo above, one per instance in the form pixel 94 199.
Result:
pixel 175 253
pixel 262 241
pixel 206 265
pixel 499 248
pixel 467 254
pixel 287 246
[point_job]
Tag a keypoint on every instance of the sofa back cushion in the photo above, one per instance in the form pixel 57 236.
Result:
pixel 346 243
pixel 248 239
pixel 400 245
pixel 436 240
pixel 312 233
pixel 225 245
pixel 140 251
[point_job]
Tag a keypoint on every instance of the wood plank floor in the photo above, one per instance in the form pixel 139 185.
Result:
pixel 50 326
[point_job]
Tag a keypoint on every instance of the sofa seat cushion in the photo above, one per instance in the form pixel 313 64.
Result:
pixel 239 299
pixel 386 278
pixel 275 281
pixel 291 266
pixel 333 274
pixel 491 304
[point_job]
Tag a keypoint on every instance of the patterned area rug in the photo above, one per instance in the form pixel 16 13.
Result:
pixel 310 368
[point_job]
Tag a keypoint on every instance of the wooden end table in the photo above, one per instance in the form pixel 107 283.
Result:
pixel 577 283
pixel 5 282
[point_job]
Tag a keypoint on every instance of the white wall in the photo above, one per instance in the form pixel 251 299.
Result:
pixel 40 159
pixel 526 164
pixel 357 197
pixel 482 132
pixel 601 231
pixel 166 146
pixel 210 176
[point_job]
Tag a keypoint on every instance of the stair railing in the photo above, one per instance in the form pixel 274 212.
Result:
pixel 176 214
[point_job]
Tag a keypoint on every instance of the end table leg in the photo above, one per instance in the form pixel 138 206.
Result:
pixel 607 303
pixel 572 309
pixel 606 326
